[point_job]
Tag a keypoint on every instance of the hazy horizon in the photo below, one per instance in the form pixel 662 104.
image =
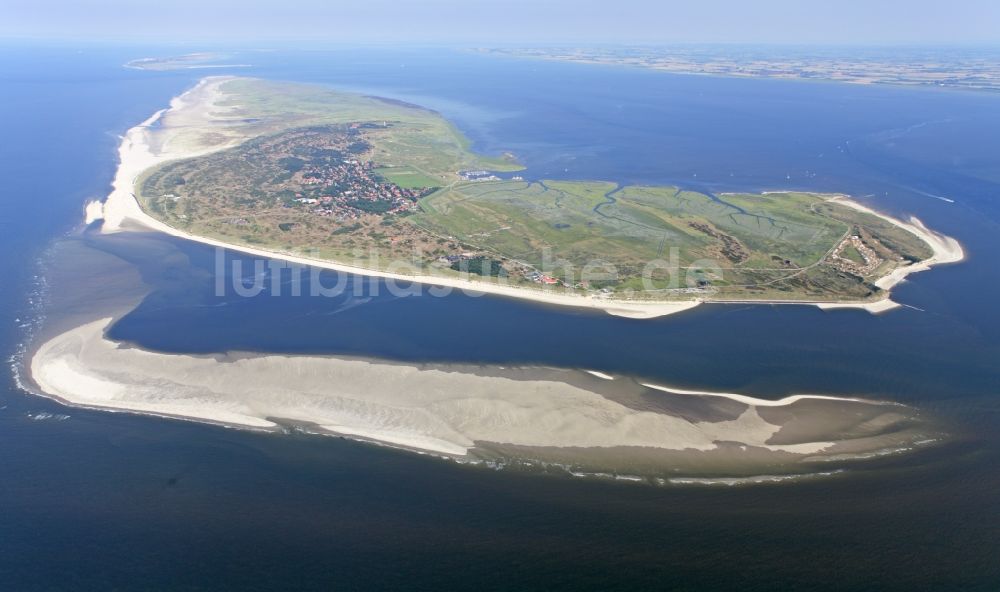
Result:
pixel 454 22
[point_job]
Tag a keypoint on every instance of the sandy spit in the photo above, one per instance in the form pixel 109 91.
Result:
pixel 426 409
pixel 946 249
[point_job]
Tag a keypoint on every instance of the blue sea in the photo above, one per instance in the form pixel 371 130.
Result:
pixel 108 501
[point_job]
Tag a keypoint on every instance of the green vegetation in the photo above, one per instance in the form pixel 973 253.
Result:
pixel 480 266
pixel 372 207
pixel 340 174
pixel 408 177
pixel 852 254
pixel 412 137
pixel 739 245
pixel 347 229
pixel 292 164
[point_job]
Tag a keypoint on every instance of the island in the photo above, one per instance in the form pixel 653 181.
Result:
pixel 382 187
pixel 190 61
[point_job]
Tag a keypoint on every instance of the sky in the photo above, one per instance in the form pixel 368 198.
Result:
pixel 491 22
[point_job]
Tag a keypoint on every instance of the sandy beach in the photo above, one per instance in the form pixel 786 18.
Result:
pixel 945 248
pixel 755 401
pixel 181 134
pixel 177 137
pixel 447 410
pixel 560 416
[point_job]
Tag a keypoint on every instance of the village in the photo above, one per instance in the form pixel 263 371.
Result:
pixel 330 175
pixel 869 259
pixel 351 189
pixel 328 172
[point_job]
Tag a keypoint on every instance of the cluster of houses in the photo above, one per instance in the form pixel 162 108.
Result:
pixel 484 176
pixel 351 189
pixel 541 278
pixel 477 176
pixel 534 276
pixel 871 259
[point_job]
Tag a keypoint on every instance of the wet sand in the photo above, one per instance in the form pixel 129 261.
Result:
pixel 466 412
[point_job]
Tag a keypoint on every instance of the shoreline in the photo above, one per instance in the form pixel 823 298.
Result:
pixel 584 421
pixel 121 208
pixel 460 413
pixel 945 248
pixel 758 402
pixel 448 411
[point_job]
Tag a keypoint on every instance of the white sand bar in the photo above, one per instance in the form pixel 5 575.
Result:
pixel 425 409
pixel 754 401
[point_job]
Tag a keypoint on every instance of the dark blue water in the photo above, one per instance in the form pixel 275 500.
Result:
pixel 105 501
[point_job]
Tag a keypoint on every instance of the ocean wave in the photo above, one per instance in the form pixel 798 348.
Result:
pixel 751 480
pixel 46 416
pixel 30 319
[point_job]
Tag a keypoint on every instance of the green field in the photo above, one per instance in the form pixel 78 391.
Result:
pixel 416 138
pixel 408 177
pixel 852 254
pixel 647 242
pixel 580 220
pixel 741 244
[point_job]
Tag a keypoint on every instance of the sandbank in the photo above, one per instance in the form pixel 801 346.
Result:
pixel 450 411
